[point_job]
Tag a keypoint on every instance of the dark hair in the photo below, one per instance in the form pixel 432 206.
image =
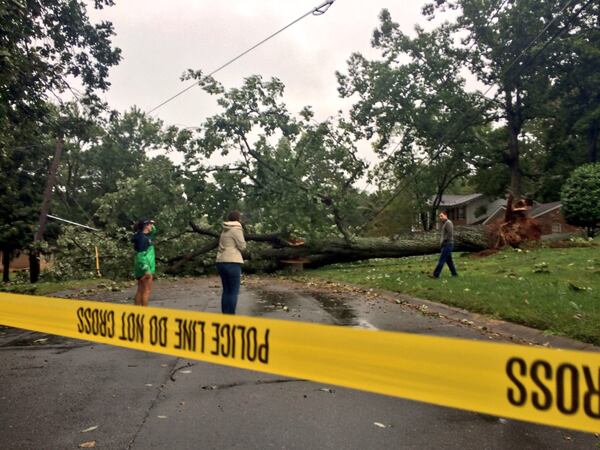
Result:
pixel 139 226
pixel 444 212
pixel 234 216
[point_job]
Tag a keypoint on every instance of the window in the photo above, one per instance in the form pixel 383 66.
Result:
pixel 556 227
pixel 480 211
pixel 457 213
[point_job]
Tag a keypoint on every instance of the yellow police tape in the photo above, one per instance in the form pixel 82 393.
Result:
pixel 548 386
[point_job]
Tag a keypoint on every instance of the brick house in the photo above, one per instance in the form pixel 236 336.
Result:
pixel 470 209
pixel 477 209
pixel 21 262
pixel 547 215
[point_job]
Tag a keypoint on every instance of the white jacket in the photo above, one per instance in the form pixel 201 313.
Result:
pixel 231 243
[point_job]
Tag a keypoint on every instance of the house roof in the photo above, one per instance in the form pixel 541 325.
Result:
pixel 543 208
pixel 538 210
pixel 493 214
pixel 495 205
pixel 457 200
pixel 491 209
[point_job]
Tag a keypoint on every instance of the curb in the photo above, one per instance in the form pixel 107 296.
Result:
pixel 513 331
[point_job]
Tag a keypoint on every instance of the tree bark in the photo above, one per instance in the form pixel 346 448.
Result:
pixel 593 134
pixel 433 211
pixel 425 221
pixel 512 156
pixel 34 266
pixel 513 162
pixel 34 255
pixel 176 264
pixel 330 251
pixel 322 253
pixel 6 265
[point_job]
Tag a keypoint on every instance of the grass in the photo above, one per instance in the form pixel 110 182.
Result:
pixel 552 289
pixel 48 287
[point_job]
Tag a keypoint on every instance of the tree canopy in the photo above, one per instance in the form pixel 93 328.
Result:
pixel 491 96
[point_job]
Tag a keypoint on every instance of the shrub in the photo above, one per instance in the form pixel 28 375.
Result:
pixel 580 197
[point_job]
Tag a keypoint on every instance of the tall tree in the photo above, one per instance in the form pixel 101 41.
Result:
pixel 507 55
pixel 284 163
pixel 44 45
pixel 577 81
pixel 105 150
pixel 21 187
pixel 414 95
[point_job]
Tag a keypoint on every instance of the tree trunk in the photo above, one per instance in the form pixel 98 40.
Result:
pixel 5 265
pixel 514 163
pixel 424 219
pixel 593 134
pixel 175 265
pixel 322 253
pixel 591 231
pixel 34 266
pixel 330 251
pixel 512 157
pixel 34 256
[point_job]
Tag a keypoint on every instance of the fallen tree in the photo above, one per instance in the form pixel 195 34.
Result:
pixel 280 250
pixel 517 227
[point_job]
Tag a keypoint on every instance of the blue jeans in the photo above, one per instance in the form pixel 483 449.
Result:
pixel 231 273
pixel 445 258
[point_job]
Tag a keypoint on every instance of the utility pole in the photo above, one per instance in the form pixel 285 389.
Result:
pixel 34 255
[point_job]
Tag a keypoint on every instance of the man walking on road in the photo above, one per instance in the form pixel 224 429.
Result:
pixel 447 244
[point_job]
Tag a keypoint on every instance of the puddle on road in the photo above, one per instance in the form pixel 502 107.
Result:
pixel 341 313
pixel 269 301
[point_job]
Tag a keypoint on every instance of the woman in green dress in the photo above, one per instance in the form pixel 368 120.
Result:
pixel 144 262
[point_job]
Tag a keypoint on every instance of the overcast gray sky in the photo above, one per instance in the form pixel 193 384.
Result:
pixel 161 39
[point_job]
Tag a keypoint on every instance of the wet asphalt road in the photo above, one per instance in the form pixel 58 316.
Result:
pixel 52 390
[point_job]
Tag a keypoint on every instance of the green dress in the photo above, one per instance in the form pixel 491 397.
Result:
pixel 144 261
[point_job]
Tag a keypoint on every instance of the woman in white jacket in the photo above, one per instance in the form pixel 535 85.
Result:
pixel 229 261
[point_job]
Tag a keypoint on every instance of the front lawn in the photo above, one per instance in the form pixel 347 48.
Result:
pixel 50 287
pixel 557 290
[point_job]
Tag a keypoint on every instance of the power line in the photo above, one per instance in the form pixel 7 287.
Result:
pixel 560 31
pixel 317 11
pixel 548 25
pixel 72 223
pixel 446 81
pixel 504 72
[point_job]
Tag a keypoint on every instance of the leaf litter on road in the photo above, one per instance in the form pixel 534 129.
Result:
pixel 87 430
pixel 331 391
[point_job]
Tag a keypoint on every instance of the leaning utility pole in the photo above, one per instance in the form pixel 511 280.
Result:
pixel 34 254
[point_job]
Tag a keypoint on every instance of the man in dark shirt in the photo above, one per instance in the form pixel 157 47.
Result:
pixel 447 244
